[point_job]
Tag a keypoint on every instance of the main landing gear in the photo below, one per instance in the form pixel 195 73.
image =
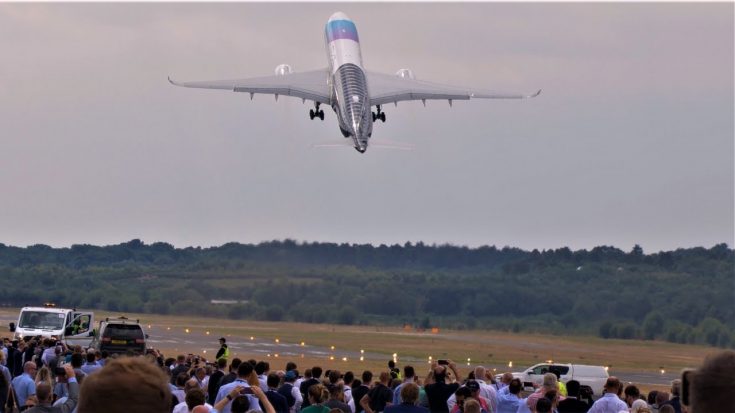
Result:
pixel 318 113
pixel 379 115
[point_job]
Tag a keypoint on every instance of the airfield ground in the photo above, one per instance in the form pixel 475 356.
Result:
pixel 649 364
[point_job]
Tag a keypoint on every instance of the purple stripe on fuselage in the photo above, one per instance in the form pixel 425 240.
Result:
pixel 341 29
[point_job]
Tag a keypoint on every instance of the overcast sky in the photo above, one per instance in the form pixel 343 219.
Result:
pixel 630 142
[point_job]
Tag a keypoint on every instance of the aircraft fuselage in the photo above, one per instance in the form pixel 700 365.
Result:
pixel 350 99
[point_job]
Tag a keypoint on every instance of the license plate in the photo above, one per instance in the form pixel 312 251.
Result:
pixel 119 342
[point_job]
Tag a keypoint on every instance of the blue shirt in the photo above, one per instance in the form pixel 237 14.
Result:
pixel 227 388
pixel 508 403
pixel 24 386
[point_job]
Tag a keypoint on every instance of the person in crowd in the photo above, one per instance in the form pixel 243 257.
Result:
pixel 549 383
pixel 713 385
pixel 278 401
pixel 262 369
pixel 409 375
pixel 661 398
pixel 232 375
pixel 190 395
pixel 215 379
pixel 488 391
pixel 631 394
pixel 639 406
pixel 409 398
pixel 543 405
pixel 508 402
pixel 395 372
pixel 290 392
pixel 379 396
pixel 239 402
pixel 471 389
pixel 178 391
pixel 347 380
pixel 43 375
pixel 318 394
pixel 45 395
pixel 609 402
pixel 24 386
pixel 572 403
pixel 438 392
pixel 667 408
pixel 472 406
pixel 245 378
pixel 5 380
pixel 126 385
pixel 316 373
pixel 91 365
pixel 674 401
pixel 358 392
pixel 336 398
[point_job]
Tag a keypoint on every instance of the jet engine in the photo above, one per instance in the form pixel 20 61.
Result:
pixel 406 74
pixel 283 70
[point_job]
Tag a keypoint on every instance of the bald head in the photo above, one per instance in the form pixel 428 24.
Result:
pixel 200 409
pixel 29 367
pixel 480 373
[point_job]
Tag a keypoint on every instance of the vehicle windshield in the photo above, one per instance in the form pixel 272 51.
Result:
pixel 123 331
pixel 41 320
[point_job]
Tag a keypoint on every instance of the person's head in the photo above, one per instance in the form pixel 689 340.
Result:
pixel 552 395
pixel 77 360
pixel 479 373
pixel 462 394
pixel 507 377
pixel 631 394
pixel 222 341
pixel 195 397
pixel 190 385
pixel 651 399
pixel 675 387
pixel 235 364
pixel 244 370
pixel 240 404
pixel 667 408
pixel 43 374
pixel 543 405
pixel 125 385
pixel 91 358
pixel 573 387
pixel 200 409
pixel 408 372
pixel 472 406
pixel 662 397
pixel 181 380
pixel 290 376
pixel 612 385
pixel 180 359
pixel 318 394
pixel 291 366
pixel 550 381
pixel 261 367
pixel 273 380
pixel 410 393
pixel 333 376
pixel 316 372
pixel 639 406
pixel 474 387
pixel 44 393
pixel 440 374
pixel 348 378
pixel 385 377
pixel 391 364
pixel 367 377
pixel 713 384
pixel 200 373
pixel 515 386
pixel 221 363
pixel 336 392
pixel 29 368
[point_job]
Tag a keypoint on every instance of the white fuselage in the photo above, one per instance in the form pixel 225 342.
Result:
pixel 350 99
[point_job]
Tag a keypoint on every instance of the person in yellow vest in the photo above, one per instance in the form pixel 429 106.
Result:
pixel 224 351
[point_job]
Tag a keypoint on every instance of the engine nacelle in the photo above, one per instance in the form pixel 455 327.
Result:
pixel 283 70
pixel 406 74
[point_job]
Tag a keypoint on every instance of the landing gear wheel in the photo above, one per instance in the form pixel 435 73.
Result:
pixel 375 117
pixel 382 117
pixel 321 114
pixel 312 115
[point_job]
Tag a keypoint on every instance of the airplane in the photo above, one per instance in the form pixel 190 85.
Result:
pixel 347 87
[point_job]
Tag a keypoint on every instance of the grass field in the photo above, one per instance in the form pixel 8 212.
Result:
pixel 490 348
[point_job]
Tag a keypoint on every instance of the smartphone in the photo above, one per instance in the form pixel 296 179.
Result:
pixel 442 362
pixel 59 371
pixel 246 390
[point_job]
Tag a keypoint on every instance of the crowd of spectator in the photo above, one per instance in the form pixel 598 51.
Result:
pixel 46 376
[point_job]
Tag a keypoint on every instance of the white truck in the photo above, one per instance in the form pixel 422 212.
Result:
pixel 592 377
pixel 72 326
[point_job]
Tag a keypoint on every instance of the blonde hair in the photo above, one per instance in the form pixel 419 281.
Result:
pixel 43 375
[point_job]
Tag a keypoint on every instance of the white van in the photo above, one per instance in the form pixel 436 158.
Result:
pixel 593 377
pixel 72 326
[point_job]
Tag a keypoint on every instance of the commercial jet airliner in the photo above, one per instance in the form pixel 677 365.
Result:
pixel 347 87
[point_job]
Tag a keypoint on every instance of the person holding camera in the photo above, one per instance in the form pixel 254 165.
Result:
pixel 45 394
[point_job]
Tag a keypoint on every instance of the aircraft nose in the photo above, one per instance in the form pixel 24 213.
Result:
pixel 338 16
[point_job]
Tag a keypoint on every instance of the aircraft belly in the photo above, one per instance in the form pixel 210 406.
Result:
pixel 344 51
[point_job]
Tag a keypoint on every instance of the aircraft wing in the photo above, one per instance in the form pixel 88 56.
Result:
pixel 385 88
pixel 312 85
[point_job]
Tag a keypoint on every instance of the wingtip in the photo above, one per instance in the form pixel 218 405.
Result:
pixel 171 81
pixel 536 94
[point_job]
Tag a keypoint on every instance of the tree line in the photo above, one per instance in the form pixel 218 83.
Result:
pixel 684 296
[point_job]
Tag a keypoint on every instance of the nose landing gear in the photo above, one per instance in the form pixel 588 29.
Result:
pixel 379 115
pixel 318 113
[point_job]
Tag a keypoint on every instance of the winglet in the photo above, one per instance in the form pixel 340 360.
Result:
pixel 173 82
pixel 536 94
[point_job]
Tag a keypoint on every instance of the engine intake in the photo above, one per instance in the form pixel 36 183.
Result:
pixel 283 70
pixel 405 74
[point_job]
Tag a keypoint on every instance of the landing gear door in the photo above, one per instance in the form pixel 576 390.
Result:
pixel 79 331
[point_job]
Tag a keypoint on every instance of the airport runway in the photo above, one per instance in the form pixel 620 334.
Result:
pixel 173 341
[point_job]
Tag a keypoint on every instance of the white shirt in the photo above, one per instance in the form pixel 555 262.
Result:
pixel 182 408
pixel 608 403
